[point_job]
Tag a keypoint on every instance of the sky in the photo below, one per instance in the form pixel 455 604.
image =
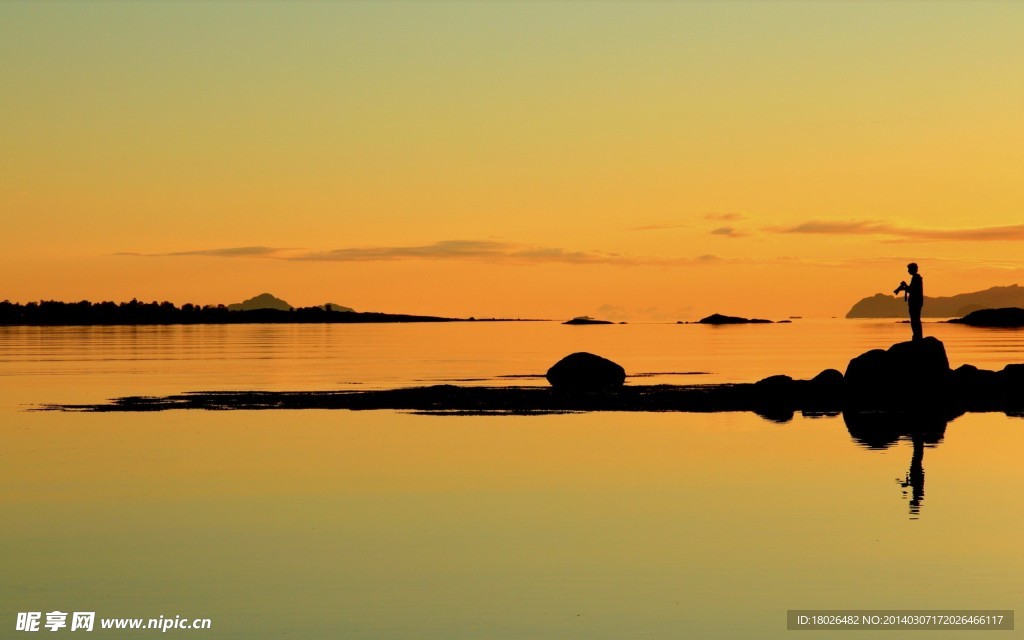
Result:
pixel 642 161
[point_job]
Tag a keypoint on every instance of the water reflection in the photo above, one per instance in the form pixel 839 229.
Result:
pixel 881 430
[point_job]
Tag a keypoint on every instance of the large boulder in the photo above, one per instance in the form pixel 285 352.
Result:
pixel 909 375
pixel 586 372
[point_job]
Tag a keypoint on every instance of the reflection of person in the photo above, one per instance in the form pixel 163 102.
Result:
pixel 913 293
pixel 915 476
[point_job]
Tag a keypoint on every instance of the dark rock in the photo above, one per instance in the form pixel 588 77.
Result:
pixel 1013 376
pixel 587 320
pixel 824 390
pixel 976 388
pixel 828 378
pixel 776 389
pixel 776 381
pixel 1008 317
pixel 717 318
pixel 909 374
pixel 586 372
pixel 776 397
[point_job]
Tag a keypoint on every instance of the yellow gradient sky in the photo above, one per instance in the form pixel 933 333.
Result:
pixel 642 161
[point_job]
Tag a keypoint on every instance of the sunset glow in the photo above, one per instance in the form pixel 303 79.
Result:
pixel 637 161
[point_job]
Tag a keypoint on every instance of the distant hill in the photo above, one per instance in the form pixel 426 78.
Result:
pixel 883 305
pixel 262 301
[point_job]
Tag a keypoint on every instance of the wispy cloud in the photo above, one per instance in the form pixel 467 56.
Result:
pixel 725 217
pixel 486 250
pixel 228 252
pixel 729 232
pixel 876 228
pixel 468 250
pixel 660 226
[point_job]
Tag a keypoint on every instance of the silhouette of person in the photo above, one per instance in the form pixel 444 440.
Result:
pixel 913 293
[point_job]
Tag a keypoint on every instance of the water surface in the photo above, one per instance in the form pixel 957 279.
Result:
pixel 337 524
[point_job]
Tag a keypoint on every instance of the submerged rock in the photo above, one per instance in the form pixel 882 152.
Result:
pixel 586 372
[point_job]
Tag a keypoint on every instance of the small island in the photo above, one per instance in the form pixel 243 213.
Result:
pixel 717 318
pixel 587 320
pixel 1006 318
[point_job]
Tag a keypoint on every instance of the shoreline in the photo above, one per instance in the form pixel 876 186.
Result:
pixel 773 398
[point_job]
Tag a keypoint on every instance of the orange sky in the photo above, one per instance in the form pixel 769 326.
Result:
pixel 641 161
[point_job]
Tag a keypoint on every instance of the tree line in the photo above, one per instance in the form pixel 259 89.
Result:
pixel 53 312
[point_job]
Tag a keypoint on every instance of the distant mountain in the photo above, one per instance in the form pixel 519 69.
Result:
pixel 882 305
pixel 262 301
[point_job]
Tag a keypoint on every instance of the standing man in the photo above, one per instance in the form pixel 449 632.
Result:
pixel 913 293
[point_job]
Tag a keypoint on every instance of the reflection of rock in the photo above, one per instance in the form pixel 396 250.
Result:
pixel 717 318
pixel 586 320
pixel 1008 317
pixel 586 372
pixel 882 429
pixel 908 374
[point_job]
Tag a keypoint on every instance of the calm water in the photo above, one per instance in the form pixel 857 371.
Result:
pixel 320 524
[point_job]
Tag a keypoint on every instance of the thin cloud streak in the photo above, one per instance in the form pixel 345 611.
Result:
pixel 660 226
pixel 469 250
pixel 227 252
pixel 489 251
pixel 872 227
pixel 725 217
pixel 729 232
pixel 511 253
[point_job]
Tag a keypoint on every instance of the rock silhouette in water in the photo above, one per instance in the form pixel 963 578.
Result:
pixel 717 318
pixel 1002 318
pixel 587 320
pixel 908 375
pixel 586 372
